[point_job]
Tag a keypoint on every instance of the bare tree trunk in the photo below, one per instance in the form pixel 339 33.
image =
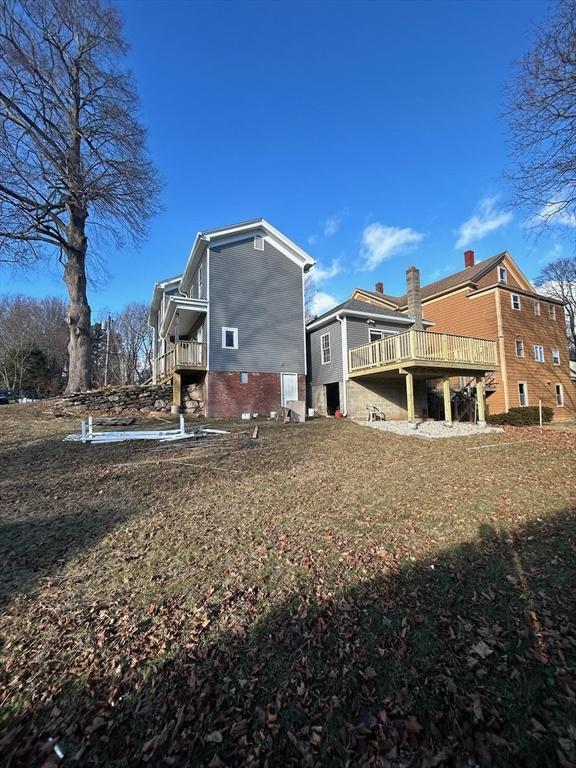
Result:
pixel 78 315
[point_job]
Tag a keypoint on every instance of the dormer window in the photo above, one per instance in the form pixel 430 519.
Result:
pixel 502 275
pixel 259 243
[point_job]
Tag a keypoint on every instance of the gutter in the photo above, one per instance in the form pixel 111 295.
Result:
pixel 344 340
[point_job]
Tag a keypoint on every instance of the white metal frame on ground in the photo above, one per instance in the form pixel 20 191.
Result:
pixel 87 434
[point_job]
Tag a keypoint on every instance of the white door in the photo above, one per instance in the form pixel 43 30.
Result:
pixel 289 387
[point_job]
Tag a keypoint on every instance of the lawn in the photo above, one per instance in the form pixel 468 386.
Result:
pixel 334 596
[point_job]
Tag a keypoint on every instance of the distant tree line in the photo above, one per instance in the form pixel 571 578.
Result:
pixel 34 338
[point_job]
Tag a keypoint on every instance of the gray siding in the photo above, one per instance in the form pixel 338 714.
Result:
pixel 357 329
pixel 332 371
pixel 260 293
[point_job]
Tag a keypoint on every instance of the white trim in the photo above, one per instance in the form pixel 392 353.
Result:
pixel 182 303
pixel 537 308
pixel 525 384
pixel 540 358
pixel 287 373
pixel 208 344
pixel 344 337
pixel 555 351
pixel 328 348
pixel 501 269
pixel 225 330
pixel 552 311
pixel 258 243
pixel 519 307
pixel 520 341
pixel 356 313
pixel 559 392
pixel 303 275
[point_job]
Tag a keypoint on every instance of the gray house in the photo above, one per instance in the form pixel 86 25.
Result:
pixel 233 322
pixel 363 355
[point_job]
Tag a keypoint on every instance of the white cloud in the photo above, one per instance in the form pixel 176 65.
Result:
pixel 555 212
pixel 332 225
pixel 312 239
pixel 380 242
pixel 320 273
pixel 322 302
pixel 486 219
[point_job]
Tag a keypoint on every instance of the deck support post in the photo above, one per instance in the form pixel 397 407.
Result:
pixel 447 401
pixel 480 401
pixel 410 399
pixel 176 392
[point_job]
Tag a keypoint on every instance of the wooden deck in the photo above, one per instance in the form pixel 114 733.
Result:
pixel 423 349
pixel 183 356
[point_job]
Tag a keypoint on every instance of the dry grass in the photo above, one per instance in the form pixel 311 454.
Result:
pixel 313 601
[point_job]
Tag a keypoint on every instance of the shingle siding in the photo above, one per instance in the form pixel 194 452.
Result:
pixel 260 293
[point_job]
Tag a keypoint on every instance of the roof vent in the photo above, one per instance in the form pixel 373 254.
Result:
pixel 259 243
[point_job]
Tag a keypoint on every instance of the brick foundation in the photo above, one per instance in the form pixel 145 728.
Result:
pixel 227 396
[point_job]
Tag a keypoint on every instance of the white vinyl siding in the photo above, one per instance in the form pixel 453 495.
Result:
pixel 325 348
pixel 516 303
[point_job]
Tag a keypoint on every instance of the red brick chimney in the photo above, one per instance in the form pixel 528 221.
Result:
pixel 468 259
pixel 379 288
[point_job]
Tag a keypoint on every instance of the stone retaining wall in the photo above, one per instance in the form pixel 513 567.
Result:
pixel 131 401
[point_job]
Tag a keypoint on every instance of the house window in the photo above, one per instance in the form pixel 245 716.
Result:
pixel 538 353
pixel 325 347
pixel 259 243
pixel 515 301
pixel 200 282
pixel 556 356
pixel 374 334
pixel 559 394
pixel 519 348
pixel 522 393
pixel 552 311
pixel 537 308
pixel 244 378
pixel 502 275
pixel 230 338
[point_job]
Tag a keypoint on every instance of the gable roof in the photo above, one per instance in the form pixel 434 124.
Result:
pixel 237 231
pixel 361 308
pixel 461 278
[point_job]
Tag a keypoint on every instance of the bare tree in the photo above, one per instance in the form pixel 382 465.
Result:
pixel 558 280
pixel 72 151
pixel 309 293
pixel 134 341
pixel 541 114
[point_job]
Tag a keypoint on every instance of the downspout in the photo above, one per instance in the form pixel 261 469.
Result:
pixel 344 339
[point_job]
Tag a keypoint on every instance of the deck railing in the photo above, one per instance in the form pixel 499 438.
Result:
pixel 182 355
pixel 423 346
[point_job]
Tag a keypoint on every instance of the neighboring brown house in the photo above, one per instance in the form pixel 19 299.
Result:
pixel 495 300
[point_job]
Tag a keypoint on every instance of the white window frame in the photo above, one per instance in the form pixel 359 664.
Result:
pixel 234 331
pixel 379 331
pixel 258 242
pixel 552 311
pixel 537 308
pixel 244 377
pixel 520 344
pixel 520 403
pixel 539 354
pixel 324 349
pixel 502 275
pixel 559 390
pixel 516 296
pixel 555 356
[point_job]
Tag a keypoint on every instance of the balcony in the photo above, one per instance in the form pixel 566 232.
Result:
pixel 183 356
pixel 423 349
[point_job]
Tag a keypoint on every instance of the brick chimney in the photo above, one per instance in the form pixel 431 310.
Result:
pixel 468 259
pixel 414 296
pixel 379 288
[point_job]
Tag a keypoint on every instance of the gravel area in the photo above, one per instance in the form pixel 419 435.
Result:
pixel 430 429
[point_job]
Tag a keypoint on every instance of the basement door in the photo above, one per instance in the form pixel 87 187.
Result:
pixel 289 386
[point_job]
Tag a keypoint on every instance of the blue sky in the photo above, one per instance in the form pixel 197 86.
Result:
pixel 370 133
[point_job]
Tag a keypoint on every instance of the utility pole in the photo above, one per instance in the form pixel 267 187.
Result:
pixel 107 356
